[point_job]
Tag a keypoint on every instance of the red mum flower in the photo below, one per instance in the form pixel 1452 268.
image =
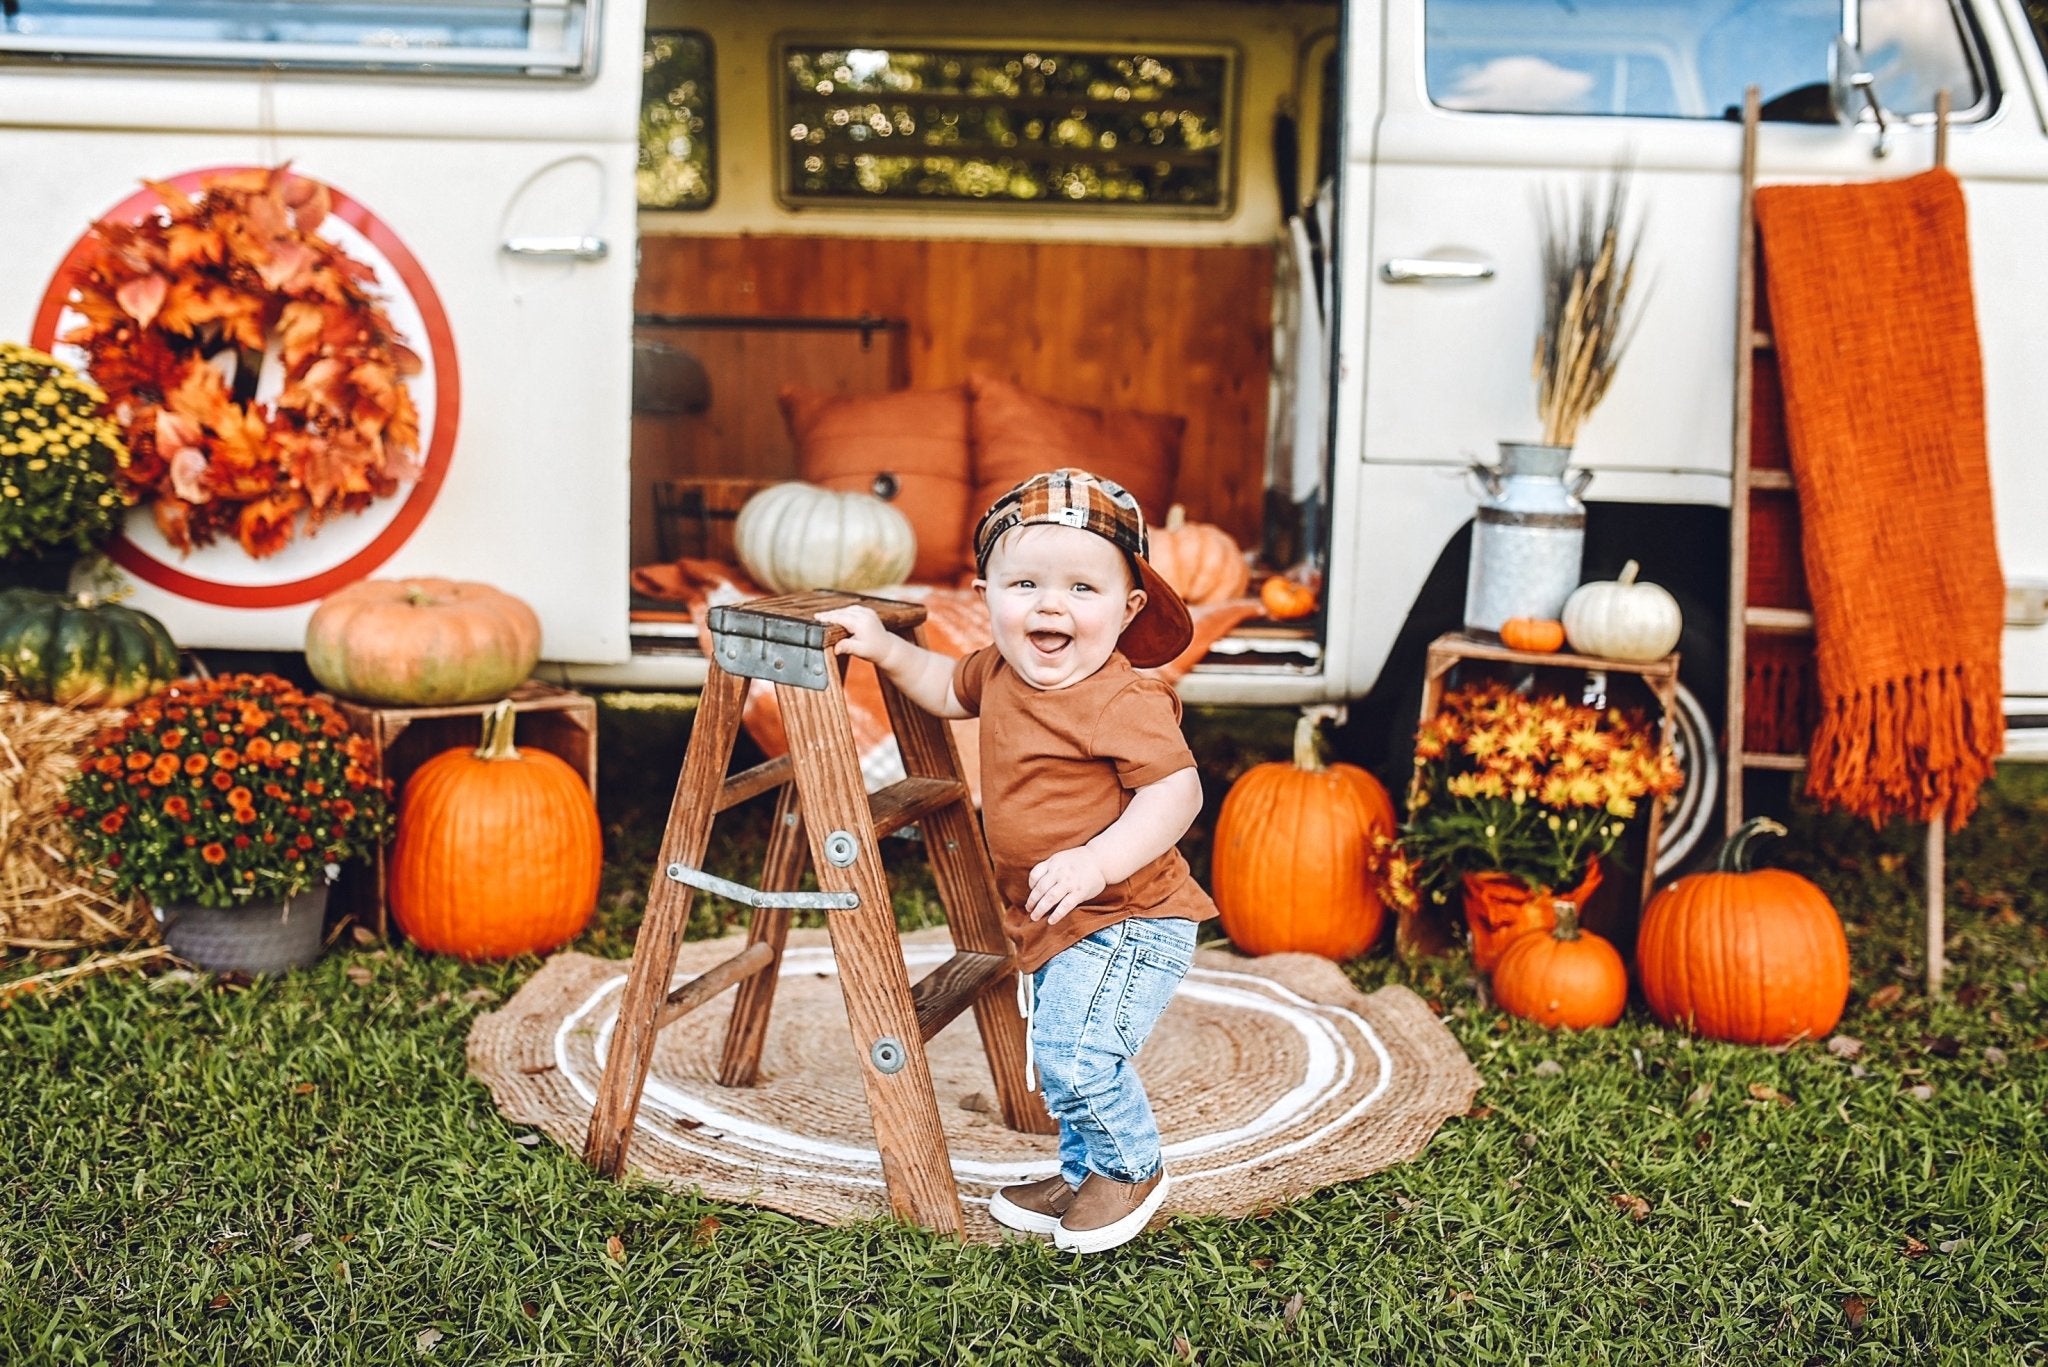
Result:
pixel 214 853
pixel 111 823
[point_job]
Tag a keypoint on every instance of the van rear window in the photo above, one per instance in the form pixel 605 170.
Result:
pixel 455 37
pixel 677 167
pixel 1125 127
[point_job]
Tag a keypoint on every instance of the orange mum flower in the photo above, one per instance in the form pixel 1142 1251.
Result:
pixel 214 852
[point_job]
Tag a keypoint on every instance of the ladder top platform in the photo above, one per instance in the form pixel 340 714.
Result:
pixel 780 639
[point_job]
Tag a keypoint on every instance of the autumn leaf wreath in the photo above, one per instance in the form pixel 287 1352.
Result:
pixel 179 311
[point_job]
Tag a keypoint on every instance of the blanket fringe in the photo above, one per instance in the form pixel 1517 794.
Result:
pixel 1918 746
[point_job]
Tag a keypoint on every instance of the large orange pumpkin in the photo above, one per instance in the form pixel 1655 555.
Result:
pixel 1202 562
pixel 1753 956
pixel 1289 865
pixel 1569 977
pixel 422 642
pixel 498 851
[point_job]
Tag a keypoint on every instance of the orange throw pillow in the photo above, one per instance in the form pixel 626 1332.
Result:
pixel 908 447
pixel 1018 434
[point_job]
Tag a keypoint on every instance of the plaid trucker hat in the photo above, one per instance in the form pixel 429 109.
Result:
pixel 1074 498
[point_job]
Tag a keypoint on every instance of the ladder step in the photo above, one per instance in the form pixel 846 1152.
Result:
pixel 909 801
pixel 1770 477
pixel 951 988
pixel 1759 340
pixel 1757 760
pixel 1790 620
pixel 753 782
pixel 713 981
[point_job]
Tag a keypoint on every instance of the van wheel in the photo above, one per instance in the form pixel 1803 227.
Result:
pixel 1696 806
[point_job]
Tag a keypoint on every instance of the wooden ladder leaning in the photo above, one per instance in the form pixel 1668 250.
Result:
pixel 1753 627
pixel 825 813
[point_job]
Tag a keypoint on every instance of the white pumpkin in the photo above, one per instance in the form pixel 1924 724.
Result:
pixel 1621 619
pixel 792 537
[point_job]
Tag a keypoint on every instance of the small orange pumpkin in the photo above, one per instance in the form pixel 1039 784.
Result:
pixel 421 642
pixel 1202 562
pixel 1537 635
pixel 1753 956
pixel 499 850
pixel 1285 599
pixel 1570 977
pixel 1289 864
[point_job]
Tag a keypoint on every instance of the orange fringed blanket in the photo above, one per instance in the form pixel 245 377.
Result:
pixel 1876 338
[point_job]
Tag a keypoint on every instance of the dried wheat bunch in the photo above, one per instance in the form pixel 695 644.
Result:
pixel 1587 275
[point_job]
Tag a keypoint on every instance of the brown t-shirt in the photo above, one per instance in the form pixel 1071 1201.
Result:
pixel 1058 767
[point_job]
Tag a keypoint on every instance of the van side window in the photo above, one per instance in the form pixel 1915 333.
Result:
pixel 1687 60
pixel 1123 127
pixel 548 38
pixel 677 169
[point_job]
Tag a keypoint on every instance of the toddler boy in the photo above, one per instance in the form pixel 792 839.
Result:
pixel 1086 785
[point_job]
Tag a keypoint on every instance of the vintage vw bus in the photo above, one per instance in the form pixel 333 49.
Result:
pixel 628 247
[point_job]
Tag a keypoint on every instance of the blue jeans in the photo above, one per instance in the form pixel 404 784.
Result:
pixel 1095 1002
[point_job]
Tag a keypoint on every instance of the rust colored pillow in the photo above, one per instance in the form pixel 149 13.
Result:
pixel 1018 434
pixel 908 447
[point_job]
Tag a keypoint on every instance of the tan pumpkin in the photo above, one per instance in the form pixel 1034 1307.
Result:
pixel 1202 562
pixel 499 850
pixel 422 642
pixel 1289 863
pixel 1569 977
pixel 1753 956
pixel 796 536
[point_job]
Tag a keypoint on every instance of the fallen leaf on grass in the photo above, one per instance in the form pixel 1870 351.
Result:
pixel 360 975
pixel 1763 1091
pixel 363 936
pixel 1855 1310
pixel 222 1301
pixel 1913 1248
pixel 304 1089
pixel 1920 1091
pixel 1634 1206
pixel 1292 1311
pixel 1891 861
pixel 1845 1046
pixel 707 1230
pixel 1941 1046
pixel 1182 1349
pixel 1550 1067
pixel 526 1141
pixel 1885 996
pixel 1699 1096
pixel 1479 1113
pixel 531 1309
pixel 615 1249
pixel 1994 1057
pixel 426 1339
pixel 298 1242
pixel 1703 1141
pixel 1953 1245
pixel 480 994
pixel 341 1271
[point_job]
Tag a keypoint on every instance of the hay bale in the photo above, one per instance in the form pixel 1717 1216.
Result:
pixel 46 901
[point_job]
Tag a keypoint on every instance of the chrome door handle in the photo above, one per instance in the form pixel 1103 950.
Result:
pixel 1409 270
pixel 575 248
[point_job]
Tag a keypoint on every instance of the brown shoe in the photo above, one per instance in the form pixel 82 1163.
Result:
pixel 1034 1207
pixel 1106 1212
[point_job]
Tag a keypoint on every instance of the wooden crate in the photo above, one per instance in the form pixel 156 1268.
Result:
pixel 557 720
pixel 694 517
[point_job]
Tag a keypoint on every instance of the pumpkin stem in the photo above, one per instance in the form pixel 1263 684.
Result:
pixel 1567 927
pixel 1308 739
pixel 1628 574
pixel 1176 518
pixel 417 597
pixel 497 742
pixel 1734 857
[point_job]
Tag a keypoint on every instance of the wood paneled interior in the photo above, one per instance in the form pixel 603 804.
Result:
pixel 1176 329
pixel 742 432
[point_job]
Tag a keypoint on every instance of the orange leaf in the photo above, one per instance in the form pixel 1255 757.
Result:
pixel 141 299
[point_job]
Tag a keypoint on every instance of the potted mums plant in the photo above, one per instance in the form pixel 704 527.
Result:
pixel 1515 802
pixel 230 804
pixel 60 462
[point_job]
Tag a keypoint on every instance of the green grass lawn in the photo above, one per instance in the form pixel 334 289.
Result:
pixel 299 1170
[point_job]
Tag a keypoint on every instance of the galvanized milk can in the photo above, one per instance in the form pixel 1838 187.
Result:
pixel 1527 538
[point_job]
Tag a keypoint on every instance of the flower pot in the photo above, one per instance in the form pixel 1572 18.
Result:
pixel 260 937
pixel 1500 906
pixel 48 570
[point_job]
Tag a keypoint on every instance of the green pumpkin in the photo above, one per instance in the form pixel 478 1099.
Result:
pixel 56 648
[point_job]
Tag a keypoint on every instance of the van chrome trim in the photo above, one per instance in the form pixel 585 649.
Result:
pixel 576 248
pixel 1415 270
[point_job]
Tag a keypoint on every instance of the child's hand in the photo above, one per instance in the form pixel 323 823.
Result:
pixel 1062 882
pixel 866 637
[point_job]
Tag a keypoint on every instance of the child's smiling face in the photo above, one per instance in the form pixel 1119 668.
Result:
pixel 1058 599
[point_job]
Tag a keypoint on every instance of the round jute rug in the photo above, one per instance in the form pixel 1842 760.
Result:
pixel 1270 1077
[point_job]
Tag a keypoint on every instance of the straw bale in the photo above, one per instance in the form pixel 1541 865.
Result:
pixel 46 901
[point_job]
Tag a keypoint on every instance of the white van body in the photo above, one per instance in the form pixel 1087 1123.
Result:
pixel 514 194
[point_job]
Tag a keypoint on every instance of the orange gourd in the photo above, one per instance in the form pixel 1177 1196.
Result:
pixel 421 642
pixel 1289 864
pixel 1753 956
pixel 1538 635
pixel 1285 599
pixel 499 850
pixel 1569 977
pixel 1202 562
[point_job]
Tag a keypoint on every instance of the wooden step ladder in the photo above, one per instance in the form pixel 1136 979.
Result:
pixel 1764 513
pixel 824 811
